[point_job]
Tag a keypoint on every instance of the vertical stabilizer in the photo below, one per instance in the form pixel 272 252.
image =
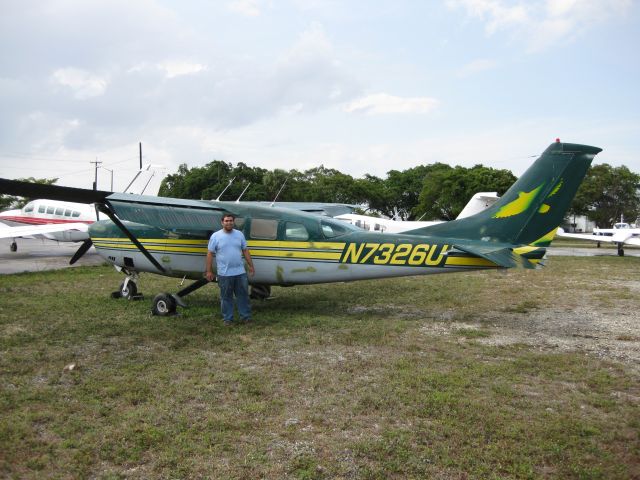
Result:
pixel 534 206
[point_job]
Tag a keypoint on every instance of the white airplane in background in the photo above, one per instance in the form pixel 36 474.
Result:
pixel 621 234
pixel 57 220
pixel 479 202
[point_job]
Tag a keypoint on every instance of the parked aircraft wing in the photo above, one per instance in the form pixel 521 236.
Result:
pixel 13 232
pixel 619 237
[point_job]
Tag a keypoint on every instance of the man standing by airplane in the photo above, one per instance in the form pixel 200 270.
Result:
pixel 229 246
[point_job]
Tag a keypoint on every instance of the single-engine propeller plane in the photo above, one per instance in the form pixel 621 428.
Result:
pixel 169 236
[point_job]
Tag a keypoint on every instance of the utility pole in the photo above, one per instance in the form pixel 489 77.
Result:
pixel 95 182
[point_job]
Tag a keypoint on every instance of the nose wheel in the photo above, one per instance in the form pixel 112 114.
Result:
pixel 128 289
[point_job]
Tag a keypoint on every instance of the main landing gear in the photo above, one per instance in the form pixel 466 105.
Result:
pixel 164 304
pixel 620 250
pixel 13 246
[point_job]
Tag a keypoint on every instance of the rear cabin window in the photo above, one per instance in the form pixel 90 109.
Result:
pixel 75 214
pixel 41 209
pixel 264 229
pixel 50 210
pixel 59 211
pixel 330 230
pixel 67 213
pixel 295 231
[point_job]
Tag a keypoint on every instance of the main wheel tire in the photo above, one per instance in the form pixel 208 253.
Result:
pixel 163 305
pixel 260 292
pixel 128 289
pixel 13 247
pixel 621 252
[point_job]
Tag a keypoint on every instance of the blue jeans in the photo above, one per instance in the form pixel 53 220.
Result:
pixel 237 285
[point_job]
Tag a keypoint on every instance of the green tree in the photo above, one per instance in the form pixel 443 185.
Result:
pixel 403 190
pixel 447 190
pixel 606 194
pixel 198 182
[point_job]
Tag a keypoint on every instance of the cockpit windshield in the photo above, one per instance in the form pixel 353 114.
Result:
pixel 335 228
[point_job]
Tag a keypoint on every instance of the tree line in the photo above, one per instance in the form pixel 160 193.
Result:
pixel 431 192
pixel 436 192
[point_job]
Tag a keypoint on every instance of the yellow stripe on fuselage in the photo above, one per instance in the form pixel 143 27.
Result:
pixel 298 254
pixel 306 245
pixel 257 248
pixel 469 262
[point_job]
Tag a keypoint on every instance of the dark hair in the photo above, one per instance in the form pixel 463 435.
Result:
pixel 225 215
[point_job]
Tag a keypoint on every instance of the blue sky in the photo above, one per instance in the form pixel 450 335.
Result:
pixel 363 87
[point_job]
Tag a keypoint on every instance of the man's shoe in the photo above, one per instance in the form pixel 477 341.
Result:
pixel 228 323
pixel 246 320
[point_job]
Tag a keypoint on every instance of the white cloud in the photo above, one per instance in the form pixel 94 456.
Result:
pixel 84 84
pixel 178 68
pixel 477 66
pixel 495 13
pixel 383 103
pixel 250 8
pixel 542 24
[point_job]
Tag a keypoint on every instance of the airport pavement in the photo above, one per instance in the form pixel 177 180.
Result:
pixel 35 255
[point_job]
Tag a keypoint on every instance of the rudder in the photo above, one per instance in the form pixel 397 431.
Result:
pixel 533 207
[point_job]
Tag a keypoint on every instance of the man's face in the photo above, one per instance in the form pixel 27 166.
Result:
pixel 227 223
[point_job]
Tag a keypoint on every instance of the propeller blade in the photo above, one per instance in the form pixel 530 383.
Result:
pixel 86 245
pixel 104 208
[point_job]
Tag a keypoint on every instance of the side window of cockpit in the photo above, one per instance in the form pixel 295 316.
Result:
pixel 41 209
pixel 264 229
pixel 239 223
pixel 295 231
pixel 330 230
pixel 28 208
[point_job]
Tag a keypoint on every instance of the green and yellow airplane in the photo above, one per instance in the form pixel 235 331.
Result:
pixel 169 236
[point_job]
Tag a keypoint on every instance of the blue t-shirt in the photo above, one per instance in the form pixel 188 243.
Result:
pixel 228 250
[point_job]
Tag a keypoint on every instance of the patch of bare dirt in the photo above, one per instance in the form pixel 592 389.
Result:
pixel 611 335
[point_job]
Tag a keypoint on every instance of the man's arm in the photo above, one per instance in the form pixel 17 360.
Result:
pixel 247 257
pixel 208 266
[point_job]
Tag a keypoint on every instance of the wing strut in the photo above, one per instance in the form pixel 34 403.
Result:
pixel 106 209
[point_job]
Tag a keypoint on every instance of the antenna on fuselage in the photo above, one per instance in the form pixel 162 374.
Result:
pixel 225 189
pixel 279 191
pixel 139 171
pixel 245 189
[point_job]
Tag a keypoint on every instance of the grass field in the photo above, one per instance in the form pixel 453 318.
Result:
pixel 404 378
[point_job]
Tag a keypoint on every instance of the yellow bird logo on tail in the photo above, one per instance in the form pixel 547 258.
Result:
pixel 519 205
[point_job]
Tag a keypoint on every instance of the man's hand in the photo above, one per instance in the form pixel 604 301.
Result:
pixel 209 276
pixel 252 271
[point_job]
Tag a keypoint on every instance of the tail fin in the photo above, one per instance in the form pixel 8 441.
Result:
pixel 531 210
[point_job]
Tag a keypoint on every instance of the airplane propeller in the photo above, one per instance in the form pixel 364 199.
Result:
pixel 86 245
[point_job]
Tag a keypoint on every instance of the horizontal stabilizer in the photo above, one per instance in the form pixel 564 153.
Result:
pixel 502 256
